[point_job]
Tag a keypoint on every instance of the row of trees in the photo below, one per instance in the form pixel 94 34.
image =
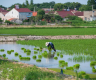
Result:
pixel 56 6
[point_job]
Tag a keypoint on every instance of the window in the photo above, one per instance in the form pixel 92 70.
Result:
pixel 29 13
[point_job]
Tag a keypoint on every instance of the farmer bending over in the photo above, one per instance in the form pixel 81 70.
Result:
pixel 50 46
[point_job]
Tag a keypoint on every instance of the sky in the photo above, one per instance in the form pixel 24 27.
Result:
pixel 8 3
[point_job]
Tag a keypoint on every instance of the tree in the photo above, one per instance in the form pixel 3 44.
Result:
pixel 23 5
pixel 0 20
pixel 91 2
pixel 58 6
pixel 85 8
pixel 31 3
pixel 42 13
pixel 47 17
pixel 12 6
pixel 58 18
pixel 27 3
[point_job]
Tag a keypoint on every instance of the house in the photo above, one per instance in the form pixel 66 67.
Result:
pixel 18 13
pixel 2 10
pixel 89 15
pixel 46 12
pixel 64 13
pixel 2 15
pixel 14 20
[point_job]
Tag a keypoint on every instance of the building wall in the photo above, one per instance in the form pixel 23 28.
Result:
pixel 24 15
pixel 88 15
pixel 2 16
pixel 12 14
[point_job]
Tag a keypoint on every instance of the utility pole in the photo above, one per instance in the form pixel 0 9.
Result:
pixel 50 8
pixel 92 13
pixel 34 9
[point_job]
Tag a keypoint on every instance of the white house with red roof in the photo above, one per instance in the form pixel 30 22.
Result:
pixel 19 13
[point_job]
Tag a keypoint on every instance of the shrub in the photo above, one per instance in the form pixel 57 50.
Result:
pixel 39 56
pixel 38 60
pixel 4 55
pixel 55 58
pixel 16 54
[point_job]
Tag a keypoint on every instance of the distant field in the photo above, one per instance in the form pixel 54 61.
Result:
pixel 49 31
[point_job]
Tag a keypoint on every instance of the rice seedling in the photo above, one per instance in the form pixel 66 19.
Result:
pixel 45 54
pixel 34 57
pixel 28 53
pixel 16 54
pixel 20 56
pixel 24 58
pixel 25 51
pixel 35 48
pixel 93 63
pixel 61 61
pixel 9 52
pixel 58 53
pixel 61 56
pixel 4 55
pixel 94 70
pixel 55 58
pixel 12 50
pixel 35 52
pixel 76 66
pixel 82 73
pixel 2 50
pixel 40 56
pixel 70 68
pixel 86 76
pixel 38 60
pixel 0 55
pixel 28 50
pixel 22 48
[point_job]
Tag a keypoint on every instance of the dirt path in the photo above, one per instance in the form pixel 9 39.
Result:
pixel 16 38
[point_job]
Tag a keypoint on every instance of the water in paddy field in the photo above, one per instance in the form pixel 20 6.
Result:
pixel 45 62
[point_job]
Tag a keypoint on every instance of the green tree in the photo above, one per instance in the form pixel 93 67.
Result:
pixel 27 3
pixel 85 8
pixel 23 5
pixel 58 6
pixel 47 17
pixel 91 2
pixel 13 6
pixel 58 18
pixel 42 13
pixel 31 3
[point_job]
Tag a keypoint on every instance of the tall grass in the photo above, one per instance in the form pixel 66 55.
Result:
pixel 49 31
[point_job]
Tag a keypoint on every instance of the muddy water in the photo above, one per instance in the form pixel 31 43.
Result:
pixel 45 62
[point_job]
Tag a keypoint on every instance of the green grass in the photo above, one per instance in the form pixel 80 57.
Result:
pixel 49 31
pixel 70 72
pixel 11 71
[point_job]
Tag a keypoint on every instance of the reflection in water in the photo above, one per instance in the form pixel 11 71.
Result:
pixel 48 62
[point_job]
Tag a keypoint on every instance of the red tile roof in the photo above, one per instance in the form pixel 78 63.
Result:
pixel 1 10
pixel 23 10
pixel 11 19
pixel 64 14
pixel 4 13
pixel 79 14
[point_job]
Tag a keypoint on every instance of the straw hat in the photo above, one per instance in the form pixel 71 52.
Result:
pixel 46 44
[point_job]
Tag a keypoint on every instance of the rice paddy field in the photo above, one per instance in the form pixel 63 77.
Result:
pixel 81 53
pixel 48 31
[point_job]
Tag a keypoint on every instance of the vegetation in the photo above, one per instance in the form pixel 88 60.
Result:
pixel 2 50
pixel 50 31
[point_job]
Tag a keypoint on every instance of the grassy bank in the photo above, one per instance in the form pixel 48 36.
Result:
pixel 10 71
pixel 49 31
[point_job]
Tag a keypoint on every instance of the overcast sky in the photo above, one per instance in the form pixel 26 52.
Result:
pixel 8 3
